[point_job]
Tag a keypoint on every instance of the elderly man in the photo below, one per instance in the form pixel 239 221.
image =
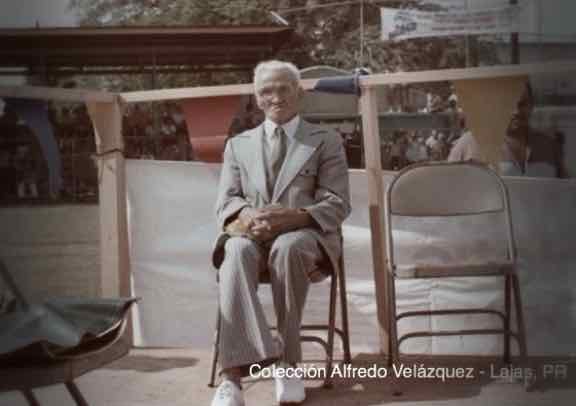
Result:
pixel 283 195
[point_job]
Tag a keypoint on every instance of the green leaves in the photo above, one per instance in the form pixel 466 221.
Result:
pixel 171 12
pixel 325 35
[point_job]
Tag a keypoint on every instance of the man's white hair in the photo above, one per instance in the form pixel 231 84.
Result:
pixel 275 65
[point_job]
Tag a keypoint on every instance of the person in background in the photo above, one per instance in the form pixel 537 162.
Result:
pixel 525 152
pixel 398 151
pixel 25 165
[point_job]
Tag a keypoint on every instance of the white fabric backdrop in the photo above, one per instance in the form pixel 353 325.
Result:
pixel 172 228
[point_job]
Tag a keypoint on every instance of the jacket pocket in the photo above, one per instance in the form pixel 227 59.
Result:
pixel 308 171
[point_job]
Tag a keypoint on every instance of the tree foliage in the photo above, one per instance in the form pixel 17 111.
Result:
pixel 170 12
pixel 329 35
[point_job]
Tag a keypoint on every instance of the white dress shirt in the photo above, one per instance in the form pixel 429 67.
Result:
pixel 289 128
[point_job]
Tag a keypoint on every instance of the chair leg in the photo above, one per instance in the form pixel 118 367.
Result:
pixel 392 326
pixel 30 398
pixel 507 317
pixel 344 314
pixel 519 318
pixel 76 394
pixel 215 350
pixel 331 329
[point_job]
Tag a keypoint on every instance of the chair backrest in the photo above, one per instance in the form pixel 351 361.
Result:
pixel 443 189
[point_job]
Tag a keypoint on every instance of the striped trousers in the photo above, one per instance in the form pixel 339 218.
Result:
pixel 245 336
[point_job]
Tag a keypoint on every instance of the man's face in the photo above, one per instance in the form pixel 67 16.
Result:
pixel 278 95
pixel 520 122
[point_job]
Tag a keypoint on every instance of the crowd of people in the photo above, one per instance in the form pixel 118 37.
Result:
pixel 22 168
pixel 408 147
pixel 156 132
pixel 159 132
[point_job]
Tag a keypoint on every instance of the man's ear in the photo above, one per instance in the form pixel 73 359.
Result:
pixel 258 101
pixel 301 93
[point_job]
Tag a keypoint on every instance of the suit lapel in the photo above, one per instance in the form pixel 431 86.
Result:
pixel 301 149
pixel 257 170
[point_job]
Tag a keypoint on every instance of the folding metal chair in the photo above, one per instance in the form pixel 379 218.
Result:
pixel 421 191
pixel 337 283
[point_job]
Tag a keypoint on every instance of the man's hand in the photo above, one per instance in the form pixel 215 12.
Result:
pixel 248 217
pixel 273 221
pixel 267 223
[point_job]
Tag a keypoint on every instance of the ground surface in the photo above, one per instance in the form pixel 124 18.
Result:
pixel 178 377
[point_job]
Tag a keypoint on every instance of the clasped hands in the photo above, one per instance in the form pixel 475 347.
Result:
pixel 267 223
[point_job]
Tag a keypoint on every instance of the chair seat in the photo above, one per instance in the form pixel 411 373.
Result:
pixel 409 271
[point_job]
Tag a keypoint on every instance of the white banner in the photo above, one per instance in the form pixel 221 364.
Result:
pixel 452 5
pixel 399 24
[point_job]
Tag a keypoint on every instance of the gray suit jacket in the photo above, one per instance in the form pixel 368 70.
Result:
pixel 314 177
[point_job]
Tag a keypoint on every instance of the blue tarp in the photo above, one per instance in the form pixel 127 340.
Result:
pixel 35 114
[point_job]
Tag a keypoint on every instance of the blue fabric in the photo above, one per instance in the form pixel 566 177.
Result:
pixel 35 114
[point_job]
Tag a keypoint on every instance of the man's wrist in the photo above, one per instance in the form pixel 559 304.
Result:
pixel 304 217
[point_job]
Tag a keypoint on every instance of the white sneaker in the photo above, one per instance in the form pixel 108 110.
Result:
pixel 228 394
pixel 289 390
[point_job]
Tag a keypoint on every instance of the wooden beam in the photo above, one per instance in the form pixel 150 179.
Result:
pixel 186 93
pixel 381 79
pixel 371 132
pixel 485 72
pixel 58 94
pixel 197 92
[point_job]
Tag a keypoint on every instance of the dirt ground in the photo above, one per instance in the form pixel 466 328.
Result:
pixel 178 377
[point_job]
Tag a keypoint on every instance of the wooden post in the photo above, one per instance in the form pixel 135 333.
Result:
pixel 371 136
pixel 114 248
pixel 514 43
pixel 115 275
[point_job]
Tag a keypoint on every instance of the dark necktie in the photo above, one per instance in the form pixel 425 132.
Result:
pixel 277 155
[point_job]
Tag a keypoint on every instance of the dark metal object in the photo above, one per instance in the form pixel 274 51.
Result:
pixel 76 394
pixel 58 340
pixel 341 84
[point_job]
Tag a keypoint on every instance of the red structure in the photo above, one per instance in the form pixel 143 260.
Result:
pixel 208 121
pixel 137 50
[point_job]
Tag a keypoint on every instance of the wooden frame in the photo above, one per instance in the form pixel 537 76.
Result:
pixel 106 113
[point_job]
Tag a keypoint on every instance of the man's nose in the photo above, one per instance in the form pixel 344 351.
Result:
pixel 276 97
